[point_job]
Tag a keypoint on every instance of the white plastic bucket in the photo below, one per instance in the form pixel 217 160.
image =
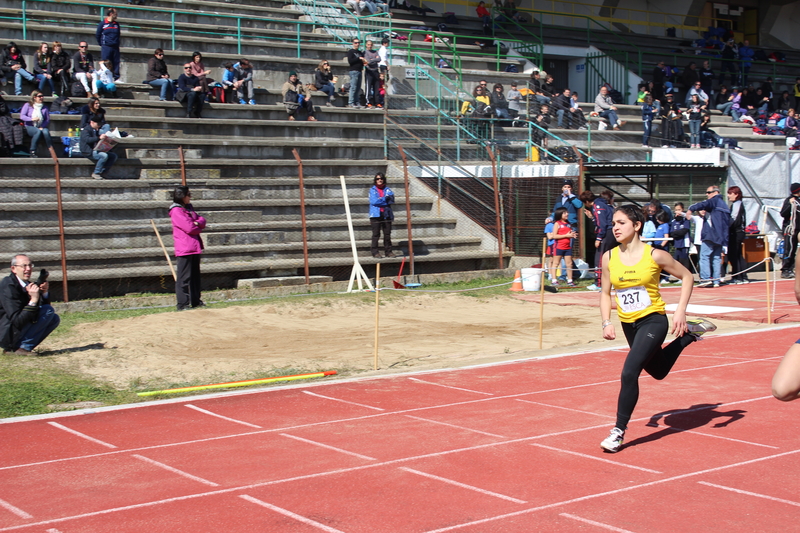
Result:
pixel 532 279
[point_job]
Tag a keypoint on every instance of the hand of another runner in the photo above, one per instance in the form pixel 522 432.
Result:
pixel 679 327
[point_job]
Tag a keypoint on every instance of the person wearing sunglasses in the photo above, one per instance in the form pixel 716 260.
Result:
pixel 36 118
pixel 26 316
pixel 714 235
pixel 158 76
pixel 83 68
pixel 325 81
pixel 190 92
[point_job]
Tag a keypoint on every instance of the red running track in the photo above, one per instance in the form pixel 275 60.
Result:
pixel 511 447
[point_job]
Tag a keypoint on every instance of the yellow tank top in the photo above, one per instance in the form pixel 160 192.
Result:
pixel 636 286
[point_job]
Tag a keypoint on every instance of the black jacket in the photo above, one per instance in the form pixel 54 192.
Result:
pixel 61 61
pixel 89 139
pixel 8 61
pixel 86 115
pixel 15 313
pixel 354 59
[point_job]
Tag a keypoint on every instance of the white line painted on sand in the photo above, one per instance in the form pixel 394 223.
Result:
pixel 201 410
pixel 175 470
pixel 82 435
pixel 455 426
pixel 595 458
pixel 593 523
pixel 450 387
pixel 16 510
pixel 748 493
pixel 343 401
pixel 462 485
pixel 328 447
pixel 290 514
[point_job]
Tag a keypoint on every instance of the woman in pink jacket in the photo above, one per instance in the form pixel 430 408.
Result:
pixel 187 226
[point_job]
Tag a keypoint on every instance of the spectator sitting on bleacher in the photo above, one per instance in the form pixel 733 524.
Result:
pixel 510 11
pixel 547 88
pixel 59 69
pixel 90 136
pixel 108 37
pixel 94 109
pixel 42 63
pixel 228 76
pixel 243 75
pixel 543 121
pixel 697 89
pixel 104 79
pixel 199 71
pixel 14 66
pixel 784 103
pixel 36 118
pixel 536 86
pixel 83 67
pixel 562 104
pixel 325 81
pixel 723 100
pixel 478 110
pixel 485 17
pixel 748 103
pixel 792 125
pixel 604 107
pixel 796 94
pixel 707 77
pixel 498 102
pixel 690 77
pixel 190 92
pixel 737 109
pixel 763 102
pixel 296 97
pixel 578 118
pixel 514 98
pixel 157 75
pixel 375 6
pixel 767 88
pixel 11 131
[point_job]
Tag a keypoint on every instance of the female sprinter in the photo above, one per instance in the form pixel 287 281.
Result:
pixel 786 381
pixel 633 269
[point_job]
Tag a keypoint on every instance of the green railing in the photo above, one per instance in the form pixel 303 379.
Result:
pixel 530 47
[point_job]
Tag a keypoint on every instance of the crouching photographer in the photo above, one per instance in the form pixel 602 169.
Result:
pixel 26 316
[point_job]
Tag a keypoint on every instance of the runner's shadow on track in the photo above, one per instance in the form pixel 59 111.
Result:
pixel 694 417
pixel 86 348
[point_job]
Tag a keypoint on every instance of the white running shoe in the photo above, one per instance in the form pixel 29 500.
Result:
pixel 613 442
pixel 593 287
pixel 698 326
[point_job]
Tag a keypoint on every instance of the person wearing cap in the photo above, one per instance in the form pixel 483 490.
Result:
pixel 791 227
pixel 296 97
pixel 714 235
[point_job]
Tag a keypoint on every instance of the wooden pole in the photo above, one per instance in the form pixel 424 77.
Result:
pixel 541 293
pixel 61 237
pixel 166 253
pixel 183 165
pixel 767 260
pixel 377 308
pixel 498 226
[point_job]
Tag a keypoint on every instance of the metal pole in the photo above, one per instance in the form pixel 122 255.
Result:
pixel 497 222
pixel 302 212
pixel 408 210
pixel 61 238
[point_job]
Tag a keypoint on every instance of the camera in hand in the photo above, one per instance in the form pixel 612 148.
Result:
pixel 43 275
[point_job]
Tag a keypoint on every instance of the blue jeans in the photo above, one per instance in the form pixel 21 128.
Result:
pixel 355 87
pixel 710 265
pixel 611 116
pixel 18 75
pixel 328 89
pixel 725 108
pixel 34 334
pixel 736 114
pixel 44 79
pixel 648 130
pixel 542 99
pixel 105 160
pixel 694 132
pixel 167 89
pixel 37 134
pixel 112 53
pixel 104 88
pixel 501 113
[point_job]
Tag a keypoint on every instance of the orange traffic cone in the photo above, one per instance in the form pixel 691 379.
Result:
pixel 517 285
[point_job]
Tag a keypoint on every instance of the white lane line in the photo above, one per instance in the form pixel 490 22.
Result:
pixel 565 408
pixel 610 492
pixel 748 493
pixel 455 426
pixel 343 401
pixel 462 485
pixel 78 433
pixel 340 450
pixel 450 387
pixel 593 523
pixel 201 410
pixel 290 514
pixel 53 530
pixel 16 510
pixel 587 456
pixel 693 432
pixel 175 470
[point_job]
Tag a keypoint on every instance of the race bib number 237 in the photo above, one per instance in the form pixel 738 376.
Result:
pixel 633 299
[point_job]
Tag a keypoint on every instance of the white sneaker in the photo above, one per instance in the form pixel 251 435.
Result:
pixel 613 442
pixel 96 176
pixel 698 326
pixel 593 287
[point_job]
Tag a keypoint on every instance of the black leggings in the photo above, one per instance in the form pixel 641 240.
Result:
pixel 645 337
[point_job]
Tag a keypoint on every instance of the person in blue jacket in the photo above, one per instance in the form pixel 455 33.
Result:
pixel 679 230
pixel 573 205
pixel 381 199
pixel 714 235
pixel 746 54
pixel 602 211
pixel 108 37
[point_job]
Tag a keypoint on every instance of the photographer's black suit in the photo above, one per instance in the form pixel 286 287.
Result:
pixel 15 313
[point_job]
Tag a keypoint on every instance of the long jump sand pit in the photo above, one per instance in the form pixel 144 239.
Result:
pixel 417 331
